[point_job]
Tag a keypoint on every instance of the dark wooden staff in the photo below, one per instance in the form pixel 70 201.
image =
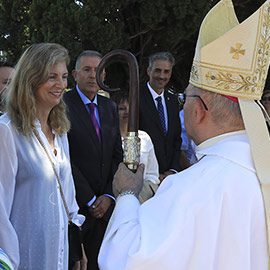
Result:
pixel 131 142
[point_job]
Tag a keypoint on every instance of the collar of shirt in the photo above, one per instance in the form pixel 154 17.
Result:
pixel 155 95
pixel 38 127
pixel 233 146
pixel 85 99
pixel 212 141
pixel 45 141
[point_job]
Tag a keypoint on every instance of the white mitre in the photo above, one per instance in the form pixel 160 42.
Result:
pixel 232 59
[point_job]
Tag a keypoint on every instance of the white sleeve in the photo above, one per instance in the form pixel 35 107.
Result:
pixel 122 237
pixel 152 170
pixel 8 170
pixel 148 157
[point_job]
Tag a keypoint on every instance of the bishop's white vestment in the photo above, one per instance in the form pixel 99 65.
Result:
pixel 208 217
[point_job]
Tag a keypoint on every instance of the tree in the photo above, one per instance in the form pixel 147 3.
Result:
pixel 14 34
pixel 140 26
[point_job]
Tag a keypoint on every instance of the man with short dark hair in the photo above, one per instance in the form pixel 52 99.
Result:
pixel 95 151
pixel 159 114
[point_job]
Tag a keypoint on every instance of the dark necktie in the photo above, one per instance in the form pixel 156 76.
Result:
pixel 94 119
pixel 161 114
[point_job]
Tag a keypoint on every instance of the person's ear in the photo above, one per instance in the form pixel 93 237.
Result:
pixel 148 71
pixel 74 74
pixel 103 75
pixel 200 111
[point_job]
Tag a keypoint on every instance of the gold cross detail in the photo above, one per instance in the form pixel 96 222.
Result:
pixel 237 51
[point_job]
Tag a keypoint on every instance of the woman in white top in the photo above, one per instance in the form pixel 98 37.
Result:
pixel 147 152
pixel 33 221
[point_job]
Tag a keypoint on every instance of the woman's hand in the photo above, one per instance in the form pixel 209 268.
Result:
pixel 82 264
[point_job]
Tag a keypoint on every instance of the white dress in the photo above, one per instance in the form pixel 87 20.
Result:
pixel 207 217
pixel 33 221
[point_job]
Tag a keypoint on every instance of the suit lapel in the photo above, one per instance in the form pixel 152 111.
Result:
pixel 103 118
pixel 169 110
pixel 152 107
pixel 101 113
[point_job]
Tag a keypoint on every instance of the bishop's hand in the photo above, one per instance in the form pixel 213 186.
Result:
pixel 125 179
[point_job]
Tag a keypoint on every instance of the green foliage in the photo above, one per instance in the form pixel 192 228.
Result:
pixel 140 26
pixel 14 34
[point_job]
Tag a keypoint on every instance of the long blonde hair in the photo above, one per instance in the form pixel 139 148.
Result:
pixel 31 71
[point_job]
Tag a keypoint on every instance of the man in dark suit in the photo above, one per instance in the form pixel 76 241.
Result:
pixel 95 151
pixel 159 114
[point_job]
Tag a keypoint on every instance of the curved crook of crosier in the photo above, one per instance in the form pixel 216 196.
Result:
pixel 131 141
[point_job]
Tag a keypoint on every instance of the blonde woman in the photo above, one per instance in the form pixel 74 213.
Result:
pixel 33 220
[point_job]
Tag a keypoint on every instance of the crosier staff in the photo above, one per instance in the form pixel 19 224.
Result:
pixel 131 141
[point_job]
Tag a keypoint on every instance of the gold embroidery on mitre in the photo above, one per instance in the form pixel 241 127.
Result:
pixel 237 51
pixel 245 85
pixel 231 82
pixel 194 73
pixel 263 52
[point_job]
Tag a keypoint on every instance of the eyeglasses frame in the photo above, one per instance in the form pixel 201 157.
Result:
pixel 182 99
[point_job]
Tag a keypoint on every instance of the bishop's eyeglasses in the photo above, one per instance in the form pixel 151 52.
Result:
pixel 182 99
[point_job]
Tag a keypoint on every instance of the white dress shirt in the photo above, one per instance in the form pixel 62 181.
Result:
pixel 33 220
